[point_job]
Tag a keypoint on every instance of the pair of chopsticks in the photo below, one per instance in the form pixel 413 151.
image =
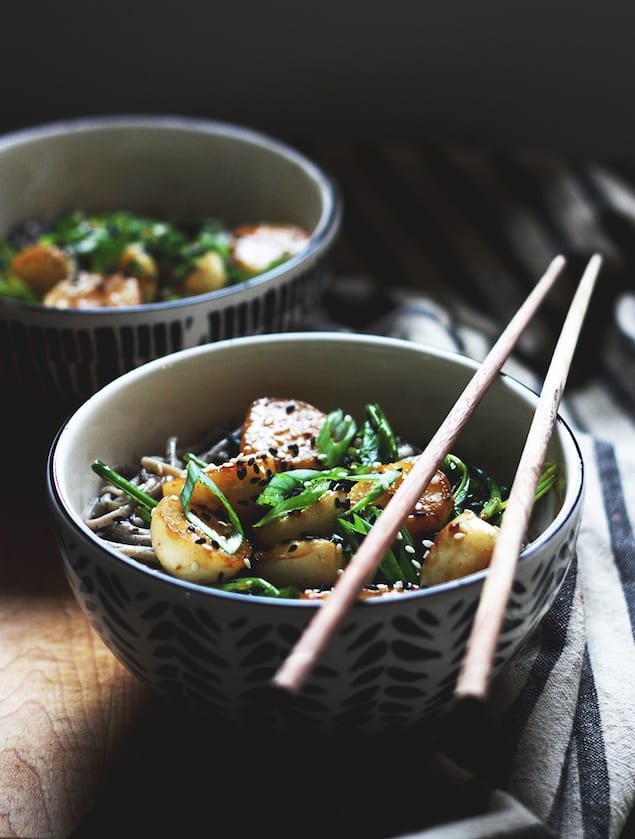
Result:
pixel 474 675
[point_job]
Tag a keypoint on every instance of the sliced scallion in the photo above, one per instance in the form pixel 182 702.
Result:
pixel 193 476
pixel 145 502
pixel 335 437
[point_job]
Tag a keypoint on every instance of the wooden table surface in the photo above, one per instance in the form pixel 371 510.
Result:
pixel 86 751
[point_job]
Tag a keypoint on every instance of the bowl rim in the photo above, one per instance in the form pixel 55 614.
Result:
pixel 57 502
pixel 322 238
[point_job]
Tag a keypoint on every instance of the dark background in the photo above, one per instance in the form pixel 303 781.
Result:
pixel 554 73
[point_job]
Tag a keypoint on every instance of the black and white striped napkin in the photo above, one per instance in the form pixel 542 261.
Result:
pixel 441 246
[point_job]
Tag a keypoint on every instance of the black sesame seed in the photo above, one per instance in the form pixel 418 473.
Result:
pixel 292 548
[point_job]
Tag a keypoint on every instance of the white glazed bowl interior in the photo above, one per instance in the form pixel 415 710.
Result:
pixel 159 164
pixel 197 389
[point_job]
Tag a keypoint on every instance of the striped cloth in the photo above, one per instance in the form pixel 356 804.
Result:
pixel 441 246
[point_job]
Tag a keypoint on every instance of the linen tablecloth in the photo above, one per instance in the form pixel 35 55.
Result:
pixel 440 246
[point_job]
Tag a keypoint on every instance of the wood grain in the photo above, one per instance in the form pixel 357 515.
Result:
pixel 66 704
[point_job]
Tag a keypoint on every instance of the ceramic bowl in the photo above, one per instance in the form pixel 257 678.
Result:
pixel 394 660
pixel 180 167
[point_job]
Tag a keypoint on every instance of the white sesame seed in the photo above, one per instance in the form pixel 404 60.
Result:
pixel 427 543
pixel 247 562
pixel 194 566
pixel 409 549
pixel 416 564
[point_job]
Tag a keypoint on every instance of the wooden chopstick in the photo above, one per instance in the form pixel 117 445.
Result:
pixel 307 649
pixel 474 676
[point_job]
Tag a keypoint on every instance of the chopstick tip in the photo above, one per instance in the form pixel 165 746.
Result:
pixel 294 669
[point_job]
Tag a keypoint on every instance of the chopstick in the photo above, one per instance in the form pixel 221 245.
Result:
pixel 474 675
pixel 304 654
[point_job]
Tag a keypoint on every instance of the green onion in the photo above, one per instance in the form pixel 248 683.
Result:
pixel 383 482
pixel 460 487
pixel 17 289
pixel 335 436
pixel 548 478
pixel 295 490
pixel 379 444
pixel 493 503
pixel 145 501
pixel 352 529
pixel 404 556
pixel 257 585
pixel 300 488
pixel 193 476
pixel 193 458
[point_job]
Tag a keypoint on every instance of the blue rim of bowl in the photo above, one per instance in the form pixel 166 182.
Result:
pixel 554 527
pixel 320 243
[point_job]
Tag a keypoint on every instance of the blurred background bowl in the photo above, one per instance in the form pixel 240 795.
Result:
pixel 167 166
pixel 395 660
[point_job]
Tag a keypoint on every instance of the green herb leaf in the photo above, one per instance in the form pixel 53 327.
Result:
pixel 295 490
pixel 16 289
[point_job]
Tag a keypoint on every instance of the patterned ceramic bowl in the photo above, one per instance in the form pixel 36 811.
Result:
pixel 160 165
pixel 394 660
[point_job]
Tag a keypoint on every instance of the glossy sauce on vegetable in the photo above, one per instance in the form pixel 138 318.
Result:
pixel 279 507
